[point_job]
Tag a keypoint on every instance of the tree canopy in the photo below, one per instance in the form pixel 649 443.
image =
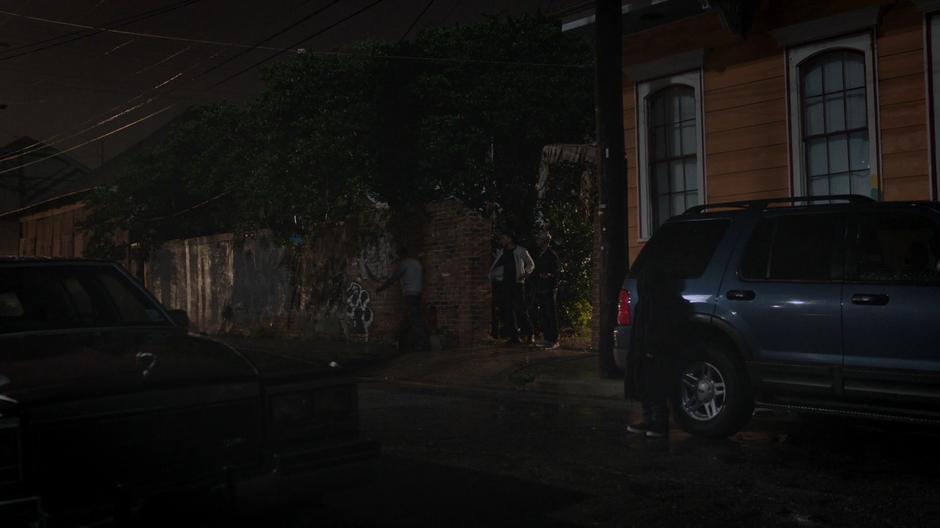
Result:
pixel 459 112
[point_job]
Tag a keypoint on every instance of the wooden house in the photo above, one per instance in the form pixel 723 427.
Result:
pixel 735 99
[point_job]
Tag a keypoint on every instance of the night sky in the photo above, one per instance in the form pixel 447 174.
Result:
pixel 72 86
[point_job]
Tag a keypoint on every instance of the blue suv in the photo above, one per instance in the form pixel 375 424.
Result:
pixel 827 304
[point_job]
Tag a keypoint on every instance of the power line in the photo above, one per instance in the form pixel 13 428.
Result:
pixel 332 53
pixel 300 42
pixel 291 48
pixel 164 60
pixel 115 23
pixel 188 209
pixel 79 35
pixel 158 36
pixel 270 37
pixel 90 141
pixel 57 138
pixel 417 18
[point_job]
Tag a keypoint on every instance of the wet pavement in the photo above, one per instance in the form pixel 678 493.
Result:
pixel 456 457
pixel 484 458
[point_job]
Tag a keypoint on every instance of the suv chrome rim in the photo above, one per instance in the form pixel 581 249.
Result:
pixel 703 391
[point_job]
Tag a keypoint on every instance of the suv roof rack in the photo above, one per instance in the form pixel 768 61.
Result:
pixel 762 204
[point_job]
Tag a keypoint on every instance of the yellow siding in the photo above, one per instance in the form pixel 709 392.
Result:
pixel 745 101
pixel 903 106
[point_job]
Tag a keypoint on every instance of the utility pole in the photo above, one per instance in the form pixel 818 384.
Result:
pixel 613 175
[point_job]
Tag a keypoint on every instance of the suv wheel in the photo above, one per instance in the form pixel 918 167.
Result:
pixel 713 397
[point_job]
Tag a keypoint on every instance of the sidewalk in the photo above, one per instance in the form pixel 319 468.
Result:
pixel 349 355
pixel 567 371
pixel 562 371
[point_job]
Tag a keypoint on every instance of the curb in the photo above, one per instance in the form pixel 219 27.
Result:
pixel 600 389
pixel 607 389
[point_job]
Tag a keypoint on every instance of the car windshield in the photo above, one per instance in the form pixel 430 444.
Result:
pixel 61 297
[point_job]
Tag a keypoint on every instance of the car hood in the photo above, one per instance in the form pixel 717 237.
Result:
pixel 42 367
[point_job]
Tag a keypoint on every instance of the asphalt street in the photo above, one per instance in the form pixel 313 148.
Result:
pixel 484 458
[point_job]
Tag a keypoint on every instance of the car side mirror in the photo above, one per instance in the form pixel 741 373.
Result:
pixel 179 317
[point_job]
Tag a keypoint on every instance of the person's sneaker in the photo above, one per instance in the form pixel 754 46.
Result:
pixel 656 432
pixel 552 346
pixel 638 428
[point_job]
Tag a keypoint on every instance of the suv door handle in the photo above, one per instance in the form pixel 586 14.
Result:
pixel 740 295
pixel 870 299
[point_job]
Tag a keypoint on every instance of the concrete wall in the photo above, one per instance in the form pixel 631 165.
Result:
pixel 326 287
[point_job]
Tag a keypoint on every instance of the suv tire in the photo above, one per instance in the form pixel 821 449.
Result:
pixel 713 395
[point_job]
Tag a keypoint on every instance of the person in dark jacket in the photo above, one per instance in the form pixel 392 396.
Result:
pixel 658 336
pixel 545 286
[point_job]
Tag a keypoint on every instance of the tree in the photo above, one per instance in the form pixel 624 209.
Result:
pixel 460 112
pixel 183 186
pixel 480 108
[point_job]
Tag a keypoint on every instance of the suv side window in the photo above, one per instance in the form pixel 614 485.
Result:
pixel 895 247
pixel 795 248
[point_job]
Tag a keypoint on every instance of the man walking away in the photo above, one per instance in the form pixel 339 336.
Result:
pixel 659 335
pixel 512 266
pixel 546 289
pixel 411 275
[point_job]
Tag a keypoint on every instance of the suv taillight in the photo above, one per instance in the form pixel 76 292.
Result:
pixel 624 316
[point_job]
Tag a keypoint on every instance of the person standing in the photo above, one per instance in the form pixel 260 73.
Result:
pixel 659 335
pixel 410 274
pixel 546 289
pixel 512 266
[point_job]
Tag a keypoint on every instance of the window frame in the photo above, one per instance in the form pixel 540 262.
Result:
pixel 800 55
pixel 644 90
pixel 932 75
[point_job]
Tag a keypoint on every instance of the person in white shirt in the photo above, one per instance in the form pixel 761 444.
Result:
pixel 509 271
pixel 410 274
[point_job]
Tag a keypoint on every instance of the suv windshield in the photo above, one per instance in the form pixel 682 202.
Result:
pixel 684 247
pixel 60 297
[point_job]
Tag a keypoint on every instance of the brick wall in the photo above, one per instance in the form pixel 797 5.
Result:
pixel 456 257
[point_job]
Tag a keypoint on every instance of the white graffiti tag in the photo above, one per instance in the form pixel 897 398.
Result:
pixel 358 310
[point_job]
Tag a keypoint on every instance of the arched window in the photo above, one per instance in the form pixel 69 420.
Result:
pixel 673 152
pixel 835 123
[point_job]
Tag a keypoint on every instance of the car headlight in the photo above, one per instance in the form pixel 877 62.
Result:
pixel 322 412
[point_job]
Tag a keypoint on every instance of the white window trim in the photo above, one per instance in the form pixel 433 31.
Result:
pixel 692 79
pixel 932 74
pixel 795 56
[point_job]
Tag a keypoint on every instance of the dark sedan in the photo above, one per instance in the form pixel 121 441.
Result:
pixel 106 399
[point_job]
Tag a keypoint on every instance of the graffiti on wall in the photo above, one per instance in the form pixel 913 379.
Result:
pixel 358 311
pixel 376 258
